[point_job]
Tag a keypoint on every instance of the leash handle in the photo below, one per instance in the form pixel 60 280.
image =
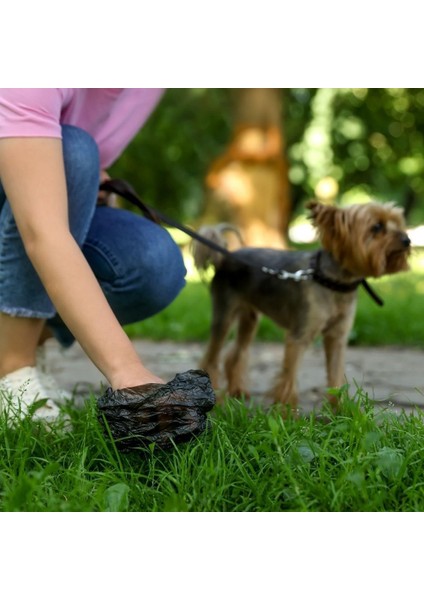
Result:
pixel 125 190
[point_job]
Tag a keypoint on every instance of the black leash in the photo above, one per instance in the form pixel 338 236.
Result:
pixel 126 191
pixel 371 292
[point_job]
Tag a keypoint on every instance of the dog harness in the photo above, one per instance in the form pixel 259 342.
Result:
pixel 314 273
pixel 124 189
pixel 337 286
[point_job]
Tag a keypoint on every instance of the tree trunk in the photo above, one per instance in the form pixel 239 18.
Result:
pixel 248 184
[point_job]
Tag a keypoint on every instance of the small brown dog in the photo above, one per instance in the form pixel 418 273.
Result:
pixel 306 292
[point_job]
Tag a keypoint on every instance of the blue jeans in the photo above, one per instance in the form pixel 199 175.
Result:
pixel 139 267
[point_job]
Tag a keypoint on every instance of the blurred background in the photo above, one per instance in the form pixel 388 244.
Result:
pixel 254 156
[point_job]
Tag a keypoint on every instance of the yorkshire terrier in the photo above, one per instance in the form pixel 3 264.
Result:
pixel 309 293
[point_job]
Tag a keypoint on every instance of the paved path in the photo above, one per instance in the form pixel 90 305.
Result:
pixel 393 376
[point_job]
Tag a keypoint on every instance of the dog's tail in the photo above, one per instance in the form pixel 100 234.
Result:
pixel 223 234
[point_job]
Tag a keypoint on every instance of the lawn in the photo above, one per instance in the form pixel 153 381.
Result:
pixel 250 460
pixel 363 459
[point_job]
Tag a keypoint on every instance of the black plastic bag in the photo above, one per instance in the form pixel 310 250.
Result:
pixel 167 413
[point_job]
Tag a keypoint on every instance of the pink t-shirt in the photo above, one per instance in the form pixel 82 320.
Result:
pixel 111 115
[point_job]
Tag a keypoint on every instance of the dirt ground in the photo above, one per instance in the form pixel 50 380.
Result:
pixel 392 376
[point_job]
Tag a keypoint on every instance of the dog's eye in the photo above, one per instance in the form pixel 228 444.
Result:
pixel 377 227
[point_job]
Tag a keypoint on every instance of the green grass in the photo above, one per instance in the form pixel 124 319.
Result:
pixel 399 322
pixel 364 459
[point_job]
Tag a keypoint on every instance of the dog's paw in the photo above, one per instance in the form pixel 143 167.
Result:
pixel 238 393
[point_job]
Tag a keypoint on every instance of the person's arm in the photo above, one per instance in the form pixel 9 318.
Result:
pixel 32 174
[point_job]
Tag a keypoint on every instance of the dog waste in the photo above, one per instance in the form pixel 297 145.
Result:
pixel 163 414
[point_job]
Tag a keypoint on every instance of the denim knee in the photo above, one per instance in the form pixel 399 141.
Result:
pixel 167 276
pixel 152 291
pixel 139 266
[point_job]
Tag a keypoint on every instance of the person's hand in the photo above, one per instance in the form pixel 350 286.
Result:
pixel 106 198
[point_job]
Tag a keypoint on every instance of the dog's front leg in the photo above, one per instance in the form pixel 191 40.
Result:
pixel 236 361
pixel 335 342
pixel 335 350
pixel 285 388
pixel 222 318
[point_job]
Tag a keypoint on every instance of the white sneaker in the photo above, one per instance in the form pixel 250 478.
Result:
pixel 49 383
pixel 21 390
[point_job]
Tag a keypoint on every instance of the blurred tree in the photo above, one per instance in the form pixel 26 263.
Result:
pixel 342 144
pixel 247 184
pixel 378 143
pixel 358 143
pixel 167 161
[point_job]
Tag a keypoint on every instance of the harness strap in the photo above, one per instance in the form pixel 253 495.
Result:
pixel 337 286
pixel 332 284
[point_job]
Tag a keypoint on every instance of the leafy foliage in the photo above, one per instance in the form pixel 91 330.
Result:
pixel 167 160
pixel 368 141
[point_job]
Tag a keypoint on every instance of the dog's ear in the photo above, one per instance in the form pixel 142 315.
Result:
pixel 322 215
pixel 332 225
